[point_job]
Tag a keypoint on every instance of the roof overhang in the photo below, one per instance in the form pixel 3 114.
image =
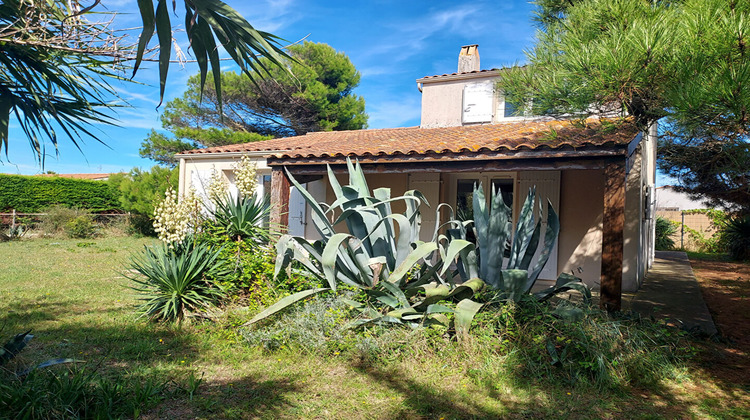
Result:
pixel 485 74
pixel 219 155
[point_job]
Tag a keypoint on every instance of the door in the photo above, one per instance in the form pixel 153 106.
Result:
pixel 547 188
pixel 297 212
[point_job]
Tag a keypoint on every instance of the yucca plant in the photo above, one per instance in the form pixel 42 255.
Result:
pixel 243 217
pixel 664 230
pixel 737 232
pixel 174 281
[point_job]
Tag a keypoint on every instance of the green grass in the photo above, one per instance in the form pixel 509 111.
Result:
pixel 71 293
pixel 708 256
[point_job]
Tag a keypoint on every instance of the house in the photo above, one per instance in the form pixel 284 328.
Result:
pixel 666 198
pixel 89 177
pixel 599 177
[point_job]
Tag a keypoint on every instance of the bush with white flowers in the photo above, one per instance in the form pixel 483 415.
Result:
pixel 245 176
pixel 174 218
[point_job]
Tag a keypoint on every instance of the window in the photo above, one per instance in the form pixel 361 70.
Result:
pixel 509 110
pixel 464 191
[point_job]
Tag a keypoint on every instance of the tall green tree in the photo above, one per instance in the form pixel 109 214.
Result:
pixel 56 63
pixel 140 190
pixel 683 63
pixel 312 92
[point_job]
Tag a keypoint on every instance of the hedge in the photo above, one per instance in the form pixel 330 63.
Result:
pixel 31 194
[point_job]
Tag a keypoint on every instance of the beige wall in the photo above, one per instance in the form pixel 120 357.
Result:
pixel 695 221
pixel 632 269
pixel 581 209
pixel 226 164
pixel 442 101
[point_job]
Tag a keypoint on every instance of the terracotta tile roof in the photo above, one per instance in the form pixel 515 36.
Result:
pixel 411 141
pixel 79 176
pixel 475 72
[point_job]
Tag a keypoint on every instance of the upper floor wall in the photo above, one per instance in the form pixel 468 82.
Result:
pixel 464 99
pixel 467 97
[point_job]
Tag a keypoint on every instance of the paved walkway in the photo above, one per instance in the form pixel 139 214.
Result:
pixel 671 292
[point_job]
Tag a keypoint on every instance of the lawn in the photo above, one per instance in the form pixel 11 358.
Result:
pixel 73 297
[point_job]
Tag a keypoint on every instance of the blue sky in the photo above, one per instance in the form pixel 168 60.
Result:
pixel 392 43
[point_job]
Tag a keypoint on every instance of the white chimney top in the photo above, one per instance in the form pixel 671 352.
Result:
pixel 468 59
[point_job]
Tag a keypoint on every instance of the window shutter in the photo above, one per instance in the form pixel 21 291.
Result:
pixel 477 102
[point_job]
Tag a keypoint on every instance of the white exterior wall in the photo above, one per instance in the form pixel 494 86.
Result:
pixel 443 100
pixel 667 198
pixel 196 172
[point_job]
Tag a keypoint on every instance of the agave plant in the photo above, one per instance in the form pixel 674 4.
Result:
pixel 514 277
pixel 411 277
pixel 370 255
pixel 243 217
pixel 173 281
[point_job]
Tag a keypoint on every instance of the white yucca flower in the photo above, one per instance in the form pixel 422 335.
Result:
pixel 217 187
pixel 174 218
pixel 245 176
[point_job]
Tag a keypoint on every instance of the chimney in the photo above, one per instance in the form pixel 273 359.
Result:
pixel 468 59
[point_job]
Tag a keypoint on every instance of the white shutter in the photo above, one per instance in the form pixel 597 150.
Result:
pixel 477 102
pixel 547 188
pixel 429 185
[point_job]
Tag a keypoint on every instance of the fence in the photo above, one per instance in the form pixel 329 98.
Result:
pixel 687 220
pixel 13 218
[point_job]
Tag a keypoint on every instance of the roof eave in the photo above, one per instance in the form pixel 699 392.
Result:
pixel 215 155
pixel 620 150
pixel 461 76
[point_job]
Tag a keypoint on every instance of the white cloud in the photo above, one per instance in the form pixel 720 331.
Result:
pixel 270 15
pixel 408 37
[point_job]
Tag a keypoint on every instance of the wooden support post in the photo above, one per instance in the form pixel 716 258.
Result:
pixel 279 200
pixel 612 236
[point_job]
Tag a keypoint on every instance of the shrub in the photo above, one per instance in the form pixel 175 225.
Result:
pixel 140 225
pixel 57 218
pixel 174 280
pixel 716 243
pixel 737 232
pixel 665 228
pixel 29 194
pixel 80 227
pixel 315 327
pixel 140 190
pixel 252 267
pixel 597 348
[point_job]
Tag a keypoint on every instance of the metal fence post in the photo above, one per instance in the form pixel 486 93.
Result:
pixel 682 231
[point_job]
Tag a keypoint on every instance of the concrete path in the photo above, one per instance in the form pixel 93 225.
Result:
pixel 671 292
